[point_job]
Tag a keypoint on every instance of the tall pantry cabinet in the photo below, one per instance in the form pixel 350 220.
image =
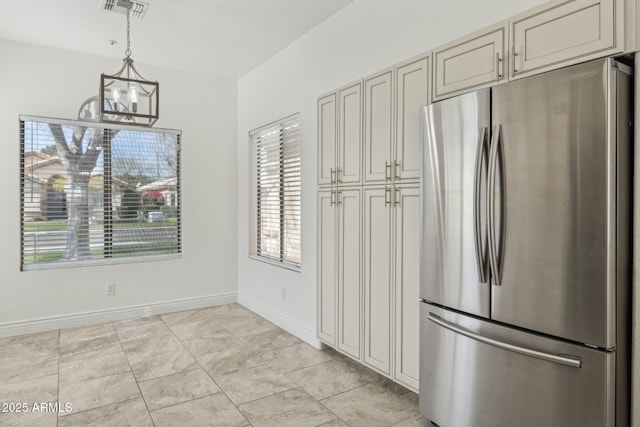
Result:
pixel 368 212
pixel 339 219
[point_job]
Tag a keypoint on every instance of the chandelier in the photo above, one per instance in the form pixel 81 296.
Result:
pixel 126 96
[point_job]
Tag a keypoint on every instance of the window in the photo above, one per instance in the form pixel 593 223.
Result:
pixel 94 193
pixel 275 219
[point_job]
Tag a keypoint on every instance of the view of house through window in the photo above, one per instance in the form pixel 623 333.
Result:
pixel 92 193
pixel 275 219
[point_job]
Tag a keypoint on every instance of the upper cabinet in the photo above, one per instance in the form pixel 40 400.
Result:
pixel 340 136
pixel 327 138
pixel 412 92
pixel 349 134
pixel 392 102
pixel 378 127
pixel 471 63
pixel 564 33
pixel 555 34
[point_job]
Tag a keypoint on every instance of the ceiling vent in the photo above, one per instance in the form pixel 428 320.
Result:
pixel 138 8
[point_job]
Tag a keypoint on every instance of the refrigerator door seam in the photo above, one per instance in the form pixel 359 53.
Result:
pixel 491 181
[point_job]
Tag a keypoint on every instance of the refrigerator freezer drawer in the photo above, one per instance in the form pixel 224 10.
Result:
pixel 475 373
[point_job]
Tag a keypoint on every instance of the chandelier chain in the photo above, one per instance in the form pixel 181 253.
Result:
pixel 128 51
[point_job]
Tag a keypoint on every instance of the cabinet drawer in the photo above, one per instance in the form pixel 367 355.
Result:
pixel 569 32
pixel 496 375
pixel 471 63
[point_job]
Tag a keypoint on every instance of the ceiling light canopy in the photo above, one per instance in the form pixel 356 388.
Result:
pixel 137 7
pixel 126 96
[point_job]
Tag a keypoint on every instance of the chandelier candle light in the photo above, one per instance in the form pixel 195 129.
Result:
pixel 126 96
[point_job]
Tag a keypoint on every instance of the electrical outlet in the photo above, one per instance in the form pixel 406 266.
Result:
pixel 283 293
pixel 110 289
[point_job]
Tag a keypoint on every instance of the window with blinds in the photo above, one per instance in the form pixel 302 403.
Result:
pixel 93 193
pixel 275 196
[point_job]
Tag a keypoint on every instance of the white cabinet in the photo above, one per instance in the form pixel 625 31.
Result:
pixel 340 269
pixel 349 210
pixel 340 136
pixel 407 294
pixel 349 134
pixel 391 295
pixel 470 63
pixel 327 266
pixel 564 33
pixel 378 283
pixel 412 91
pixel 392 102
pixel 369 150
pixel 327 138
pixel 378 127
pixel 553 35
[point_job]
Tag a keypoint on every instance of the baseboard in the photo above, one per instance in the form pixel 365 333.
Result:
pixel 288 324
pixel 112 314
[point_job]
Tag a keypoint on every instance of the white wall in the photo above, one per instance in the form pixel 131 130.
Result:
pixel 361 39
pixel 35 80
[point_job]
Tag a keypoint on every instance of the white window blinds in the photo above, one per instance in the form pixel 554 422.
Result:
pixel 95 193
pixel 275 195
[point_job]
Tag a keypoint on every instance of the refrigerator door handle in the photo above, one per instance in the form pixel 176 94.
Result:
pixel 572 361
pixel 481 247
pixel 496 140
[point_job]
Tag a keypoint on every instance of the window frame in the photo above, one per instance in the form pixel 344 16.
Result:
pixel 255 236
pixel 105 260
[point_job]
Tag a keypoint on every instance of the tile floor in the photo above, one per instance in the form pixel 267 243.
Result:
pixel 219 366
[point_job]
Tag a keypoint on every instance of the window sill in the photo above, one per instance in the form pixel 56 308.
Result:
pixel 297 269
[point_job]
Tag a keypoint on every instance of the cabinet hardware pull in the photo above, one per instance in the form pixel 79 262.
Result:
pixel 514 54
pixel 396 197
pixel 338 179
pixel 333 197
pixel 396 174
pixel 338 201
pixel 387 171
pixel 498 67
pixel 333 176
pixel 387 196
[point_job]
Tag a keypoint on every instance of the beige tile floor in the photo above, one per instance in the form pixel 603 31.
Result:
pixel 219 366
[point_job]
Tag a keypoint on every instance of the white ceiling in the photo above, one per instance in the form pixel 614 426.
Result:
pixel 212 37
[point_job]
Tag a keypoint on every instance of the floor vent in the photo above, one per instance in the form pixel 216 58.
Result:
pixel 138 8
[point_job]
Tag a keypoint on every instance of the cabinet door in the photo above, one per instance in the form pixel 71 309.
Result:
pixel 412 93
pixel 350 134
pixel 407 300
pixel 474 62
pixel 327 133
pixel 350 271
pixel 377 278
pixel 378 127
pixel 327 266
pixel 569 32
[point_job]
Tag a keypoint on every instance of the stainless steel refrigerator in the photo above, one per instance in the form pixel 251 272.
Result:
pixel 525 248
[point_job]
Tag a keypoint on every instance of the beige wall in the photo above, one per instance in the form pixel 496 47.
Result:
pixel 40 81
